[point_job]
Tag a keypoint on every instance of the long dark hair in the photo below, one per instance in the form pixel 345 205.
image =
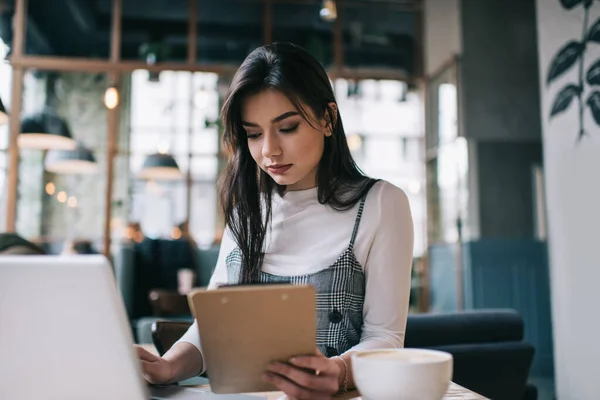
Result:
pixel 244 188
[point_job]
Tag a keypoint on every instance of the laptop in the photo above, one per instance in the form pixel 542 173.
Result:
pixel 64 334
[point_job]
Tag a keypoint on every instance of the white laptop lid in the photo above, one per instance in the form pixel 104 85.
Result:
pixel 64 333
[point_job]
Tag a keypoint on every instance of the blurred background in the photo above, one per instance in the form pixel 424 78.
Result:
pixel 484 111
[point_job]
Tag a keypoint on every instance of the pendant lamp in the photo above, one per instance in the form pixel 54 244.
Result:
pixel 45 130
pixel 160 167
pixel 79 161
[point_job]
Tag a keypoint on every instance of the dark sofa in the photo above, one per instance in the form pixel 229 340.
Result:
pixel 490 356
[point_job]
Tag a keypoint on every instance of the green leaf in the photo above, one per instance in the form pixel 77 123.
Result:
pixel 563 60
pixel 563 99
pixel 593 34
pixel 593 74
pixel 569 4
pixel 593 101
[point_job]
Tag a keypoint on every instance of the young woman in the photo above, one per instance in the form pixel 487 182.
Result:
pixel 298 210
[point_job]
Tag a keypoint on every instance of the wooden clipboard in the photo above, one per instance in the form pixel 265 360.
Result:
pixel 244 328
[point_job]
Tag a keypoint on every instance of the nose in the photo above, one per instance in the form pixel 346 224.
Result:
pixel 271 146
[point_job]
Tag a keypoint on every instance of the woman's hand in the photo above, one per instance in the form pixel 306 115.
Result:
pixel 306 377
pixel 155 369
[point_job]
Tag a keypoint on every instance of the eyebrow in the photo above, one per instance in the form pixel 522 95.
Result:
pixel 274 120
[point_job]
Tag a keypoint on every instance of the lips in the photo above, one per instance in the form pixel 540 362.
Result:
pixel 279 168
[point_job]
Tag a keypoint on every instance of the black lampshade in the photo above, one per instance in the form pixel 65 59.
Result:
pixel 159 167
pixel 77 161
pixel 3 114
pixel 45 130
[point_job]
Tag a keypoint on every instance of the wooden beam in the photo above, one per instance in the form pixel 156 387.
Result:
pixel 18 46
pixel 338 41
pixel 13 149
pixel 115 37
pixel 189 177
pixel 192 58
pixel 418 49
pixel 192 50
pixel 396 5
pixel 19 27
pixel 267 22
pixel 113 123
pixel 43 63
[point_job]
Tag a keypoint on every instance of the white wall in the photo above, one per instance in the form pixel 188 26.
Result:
pixel 442 32
pixel 572 171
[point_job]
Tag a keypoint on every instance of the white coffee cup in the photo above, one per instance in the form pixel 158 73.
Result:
pixel 402 374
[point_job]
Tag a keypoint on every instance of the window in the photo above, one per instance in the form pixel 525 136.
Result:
pixel 175 115
pixel 5 90
pixel 384 132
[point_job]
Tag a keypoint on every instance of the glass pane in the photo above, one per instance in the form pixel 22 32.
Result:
pixel 153 32
pixel 206 141
pixel 67 204
pixel 204 168
pixel 379 35
pixel 448 193
pixel 165 113
pixel 385 135
pixel 158 208
pixel 447 109
pixel 69 28
pixel 301 24
pixel 3 193
pixel 5 90
pixel 204 213
pixel 228 30
pixel 159 109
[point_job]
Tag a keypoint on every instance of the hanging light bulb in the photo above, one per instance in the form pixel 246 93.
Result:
pixel 328 10
pixel 163 147
pixel 61 196
pixel 50 188
pixel 111 98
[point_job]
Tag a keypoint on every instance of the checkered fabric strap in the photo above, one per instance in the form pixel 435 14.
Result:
pixel 357 221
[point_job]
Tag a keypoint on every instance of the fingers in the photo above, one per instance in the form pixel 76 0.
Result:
pixel 145 355
pixel 316 363
pixel 153 372
pixel 149 371
pixel 292 390
pixel 321 383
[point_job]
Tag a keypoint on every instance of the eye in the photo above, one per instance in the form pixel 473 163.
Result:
pixel 290 129
pixel 252 136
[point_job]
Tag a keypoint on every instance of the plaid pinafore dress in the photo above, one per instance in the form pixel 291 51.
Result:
pixel 340 294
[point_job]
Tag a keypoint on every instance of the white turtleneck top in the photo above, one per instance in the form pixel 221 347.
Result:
pixel 306 237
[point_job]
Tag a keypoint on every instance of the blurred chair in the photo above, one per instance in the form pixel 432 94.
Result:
pixel 166 303
pixel 79 247
pixel 166 333
pixel 490 356
pixel 146 275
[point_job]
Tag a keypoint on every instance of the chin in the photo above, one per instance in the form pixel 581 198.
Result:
pixel 283 180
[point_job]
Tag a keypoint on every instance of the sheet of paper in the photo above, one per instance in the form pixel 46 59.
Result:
pixel 187 393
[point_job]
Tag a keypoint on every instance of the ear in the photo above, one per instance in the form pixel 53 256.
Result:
pixel 328 124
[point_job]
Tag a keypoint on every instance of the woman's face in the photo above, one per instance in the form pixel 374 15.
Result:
pixel 281 141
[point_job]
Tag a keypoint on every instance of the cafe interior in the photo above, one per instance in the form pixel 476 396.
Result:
pixel 110 143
